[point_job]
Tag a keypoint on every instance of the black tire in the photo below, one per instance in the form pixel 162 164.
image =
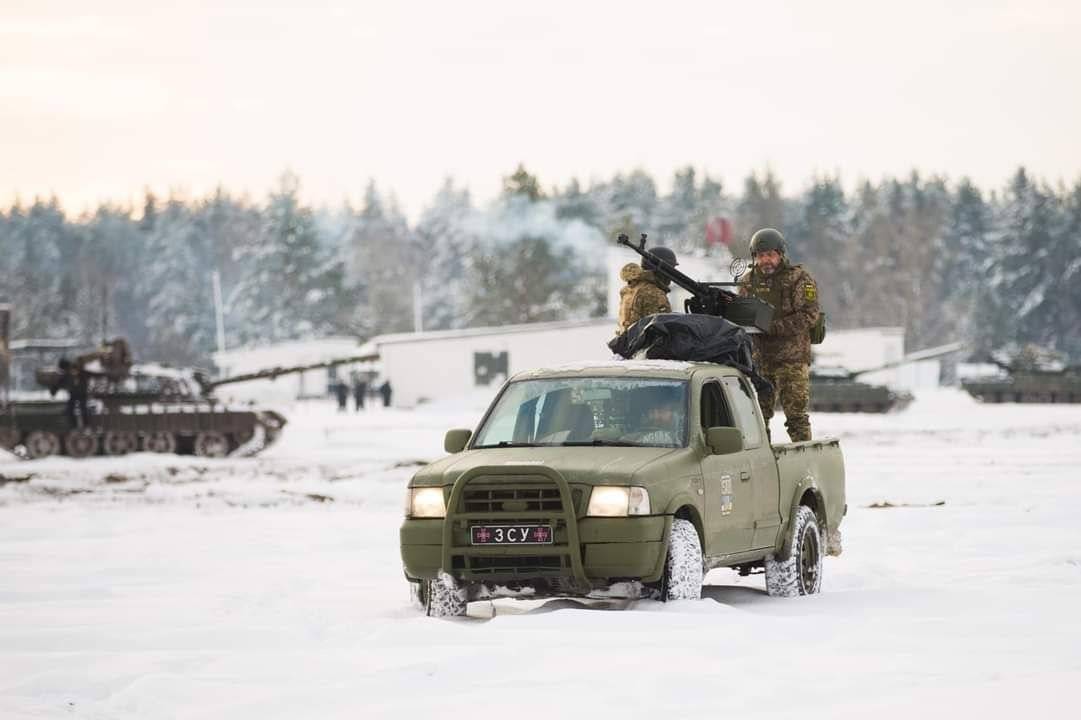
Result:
pixel 801 572
pixel 445 598
pixel 683 570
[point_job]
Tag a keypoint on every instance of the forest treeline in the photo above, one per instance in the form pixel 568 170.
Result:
pixel 945 260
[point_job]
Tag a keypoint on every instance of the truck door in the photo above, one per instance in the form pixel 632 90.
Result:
pixel 728 508
pixel 762 466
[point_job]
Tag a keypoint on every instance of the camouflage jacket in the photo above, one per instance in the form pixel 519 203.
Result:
pixel 644 295
pixel 794 296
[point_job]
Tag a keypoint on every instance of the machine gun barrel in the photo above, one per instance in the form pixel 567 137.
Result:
pixel 752 314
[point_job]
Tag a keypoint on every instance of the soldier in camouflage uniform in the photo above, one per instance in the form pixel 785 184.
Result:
pixel 645 293
pixel 783 355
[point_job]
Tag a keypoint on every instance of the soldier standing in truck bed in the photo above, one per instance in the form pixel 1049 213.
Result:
pixel 783 355
pixel 645 292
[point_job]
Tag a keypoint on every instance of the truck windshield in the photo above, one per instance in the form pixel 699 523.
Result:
pixel 588 411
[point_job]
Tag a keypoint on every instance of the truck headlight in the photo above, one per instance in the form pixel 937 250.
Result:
pixel 611 501
pixel 426 502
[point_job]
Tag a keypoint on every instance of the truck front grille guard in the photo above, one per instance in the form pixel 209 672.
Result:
pixel 572 550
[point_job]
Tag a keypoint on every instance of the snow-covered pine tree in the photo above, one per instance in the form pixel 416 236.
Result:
pixel 444 236
pixel 291 287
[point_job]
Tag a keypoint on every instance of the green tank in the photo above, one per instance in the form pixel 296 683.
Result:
pixel 839 390
pixel 1029 375
pixel 835 389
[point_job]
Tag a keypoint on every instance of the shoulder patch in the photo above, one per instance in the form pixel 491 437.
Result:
pixel 810 291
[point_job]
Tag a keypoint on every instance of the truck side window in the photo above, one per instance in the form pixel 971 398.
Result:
pixel 714 408
pixel 743 407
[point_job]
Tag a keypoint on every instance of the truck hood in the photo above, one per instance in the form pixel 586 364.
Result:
pixel 576 464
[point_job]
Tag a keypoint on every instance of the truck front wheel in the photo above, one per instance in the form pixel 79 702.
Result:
pixel 801 572
pixel 683 568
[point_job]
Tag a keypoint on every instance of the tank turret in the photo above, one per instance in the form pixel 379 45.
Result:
pixel 1027 374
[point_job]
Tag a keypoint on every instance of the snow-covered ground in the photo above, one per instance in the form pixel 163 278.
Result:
pixel 151 587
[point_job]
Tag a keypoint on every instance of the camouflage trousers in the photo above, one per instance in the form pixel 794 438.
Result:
pixel 792 385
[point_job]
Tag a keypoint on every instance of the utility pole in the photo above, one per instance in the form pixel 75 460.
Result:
pixel 418 307
pixel 219 311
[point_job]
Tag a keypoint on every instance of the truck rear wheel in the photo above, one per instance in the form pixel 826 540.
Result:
pixel 801 572
pixel 445 598
pixel 683 567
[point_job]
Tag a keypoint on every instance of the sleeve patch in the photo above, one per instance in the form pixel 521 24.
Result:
pixel 810 292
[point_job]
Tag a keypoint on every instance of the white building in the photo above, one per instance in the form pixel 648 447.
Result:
pixel 428 366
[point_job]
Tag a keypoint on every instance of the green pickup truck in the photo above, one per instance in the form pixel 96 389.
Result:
pixel 619 479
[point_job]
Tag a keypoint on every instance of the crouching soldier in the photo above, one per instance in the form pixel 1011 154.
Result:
pixel 783 355
pixel 646 293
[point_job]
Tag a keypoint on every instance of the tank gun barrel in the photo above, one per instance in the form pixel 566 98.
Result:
pixel 927 354
pixel 273 373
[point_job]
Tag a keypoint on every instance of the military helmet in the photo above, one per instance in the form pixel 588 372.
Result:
pixel 768 239
pixel 662 253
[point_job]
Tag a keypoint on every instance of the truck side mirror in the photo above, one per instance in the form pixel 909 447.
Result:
pixel 456 440
pixel 724 440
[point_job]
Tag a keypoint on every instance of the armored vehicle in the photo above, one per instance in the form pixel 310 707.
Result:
pixel 1029 375
pixel 150 408
pixel 115 407
pixel 838 390
pixel 620 479
pixel 835 389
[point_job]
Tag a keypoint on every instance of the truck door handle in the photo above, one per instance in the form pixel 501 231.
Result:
pixel 744 476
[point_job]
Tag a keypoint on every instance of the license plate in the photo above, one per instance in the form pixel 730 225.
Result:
pixel 511 534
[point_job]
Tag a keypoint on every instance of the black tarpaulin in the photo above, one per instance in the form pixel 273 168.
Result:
pixel 691 337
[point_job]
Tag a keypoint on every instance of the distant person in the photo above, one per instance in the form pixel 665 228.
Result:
pixel 645 292
pixel 341 390
pixel 75 381
pixel 360 389
pixel 783 355
pixel 384 390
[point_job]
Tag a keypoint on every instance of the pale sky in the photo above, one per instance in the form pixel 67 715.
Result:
pixel 101 99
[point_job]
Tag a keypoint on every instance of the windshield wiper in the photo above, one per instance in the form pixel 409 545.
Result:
pixel 599 443
pixel 507 443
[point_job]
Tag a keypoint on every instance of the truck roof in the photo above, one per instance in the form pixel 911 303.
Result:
pixel 675 369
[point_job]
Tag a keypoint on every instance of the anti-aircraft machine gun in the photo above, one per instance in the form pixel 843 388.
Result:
pixel 708 298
